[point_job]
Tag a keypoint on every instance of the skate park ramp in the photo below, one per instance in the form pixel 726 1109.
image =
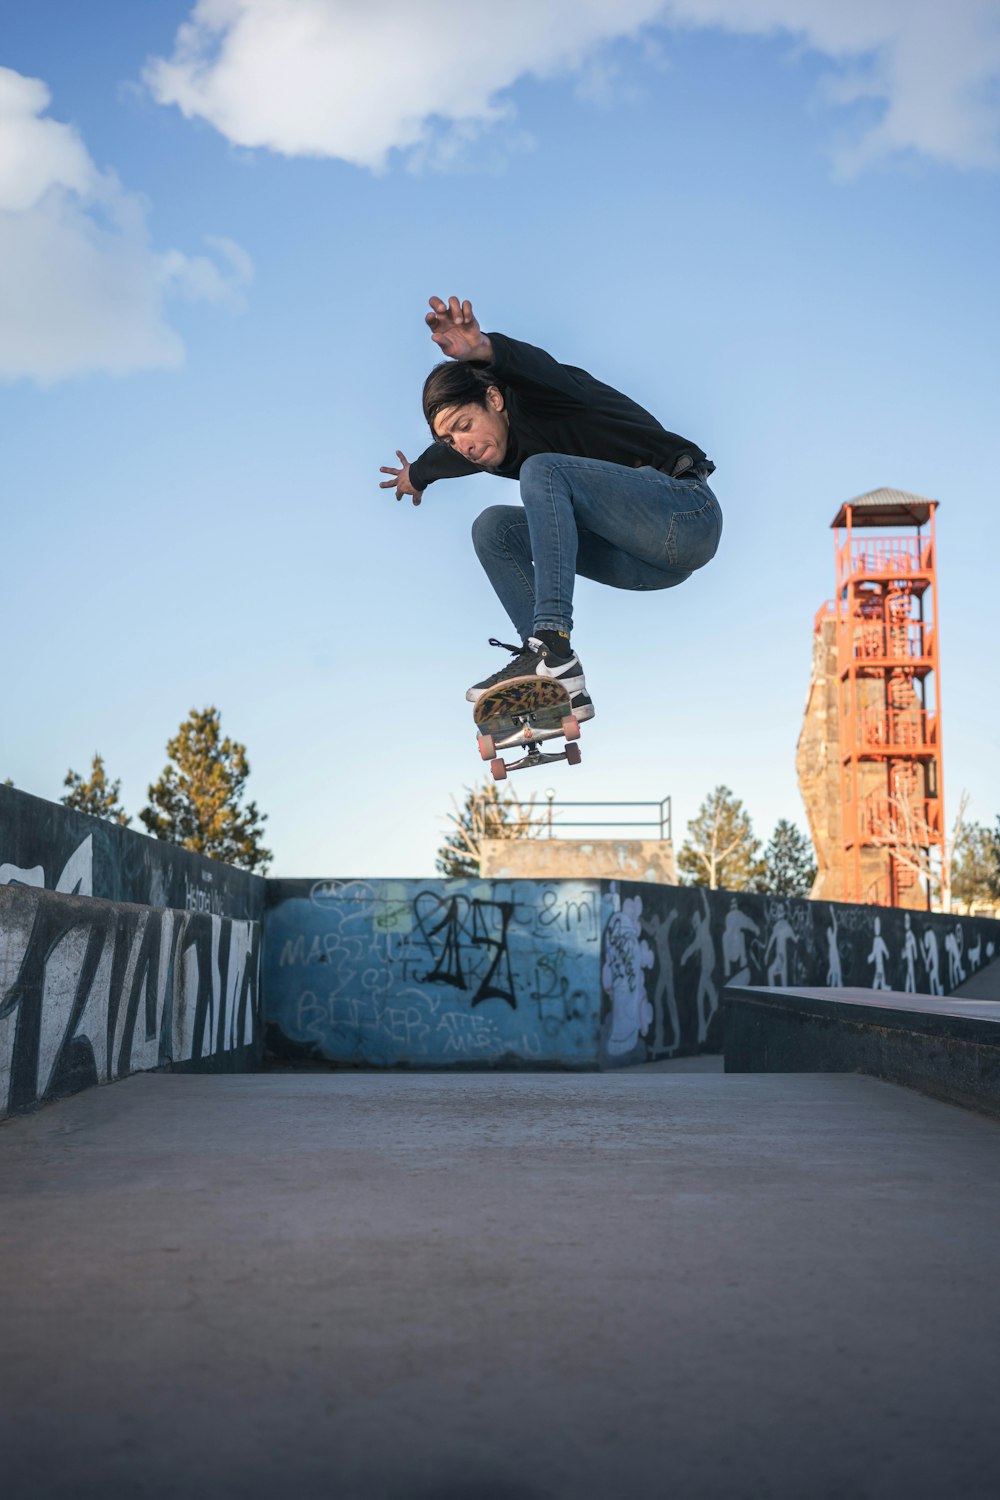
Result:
pixel 636 1279
pixel 483 1286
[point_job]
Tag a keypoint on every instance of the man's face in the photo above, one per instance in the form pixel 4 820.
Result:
pixel 479 433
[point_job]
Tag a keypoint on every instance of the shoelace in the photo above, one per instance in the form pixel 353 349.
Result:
pixel 524 650
pixel 504 646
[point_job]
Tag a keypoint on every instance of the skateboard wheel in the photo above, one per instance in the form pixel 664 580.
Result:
pixel 573 752
pixel 499 768
pixel 487 749
pixel 571 727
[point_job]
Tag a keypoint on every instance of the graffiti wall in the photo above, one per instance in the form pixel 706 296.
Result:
pixel 48 846
pixel 91 991
pixel 686 944
pixel 545 972
pixel 566 973
pixel 433 973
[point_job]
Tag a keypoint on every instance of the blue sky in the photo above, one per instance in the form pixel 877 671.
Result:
pixel 772 222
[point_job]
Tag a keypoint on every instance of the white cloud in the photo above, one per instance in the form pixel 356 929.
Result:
pixel 930 69
pixel 81 288
pixel 199 279
pixel 357 79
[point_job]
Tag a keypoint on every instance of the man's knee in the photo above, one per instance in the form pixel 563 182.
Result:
pixel 539 466
pixel 490 527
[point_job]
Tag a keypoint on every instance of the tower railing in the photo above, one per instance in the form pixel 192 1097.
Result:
pixel 884 555
pixel 911 641
pixel 895 729
pixel 915 822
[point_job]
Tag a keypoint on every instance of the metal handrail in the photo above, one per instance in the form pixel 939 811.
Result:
pixel 662 820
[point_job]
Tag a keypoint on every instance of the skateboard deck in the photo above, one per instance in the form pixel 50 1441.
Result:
pixel 524 712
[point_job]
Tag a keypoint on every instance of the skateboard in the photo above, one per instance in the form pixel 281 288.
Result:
pixel 525 711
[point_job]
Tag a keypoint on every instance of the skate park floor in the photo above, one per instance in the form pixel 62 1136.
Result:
pixel 661 1281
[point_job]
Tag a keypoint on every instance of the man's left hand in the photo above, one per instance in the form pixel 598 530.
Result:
pixel 400 480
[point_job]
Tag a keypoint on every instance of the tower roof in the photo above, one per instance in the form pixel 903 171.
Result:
pixel 885 507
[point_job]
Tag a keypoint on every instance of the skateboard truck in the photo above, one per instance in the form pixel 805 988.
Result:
pixel 534 757
pixel 522 714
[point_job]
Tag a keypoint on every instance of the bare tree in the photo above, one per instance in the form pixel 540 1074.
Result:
pixel 484 815
pixel 957 833
pixel 898 823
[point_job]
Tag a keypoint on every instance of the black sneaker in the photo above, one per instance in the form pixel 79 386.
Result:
pixel 535 659
pixel 583 707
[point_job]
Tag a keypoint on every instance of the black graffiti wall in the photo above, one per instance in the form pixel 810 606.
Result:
pixel 683 945
pixel 91 991
pixel 46 845
pixel 118 953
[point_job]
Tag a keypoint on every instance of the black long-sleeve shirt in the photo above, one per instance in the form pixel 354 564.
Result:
pixel 556 408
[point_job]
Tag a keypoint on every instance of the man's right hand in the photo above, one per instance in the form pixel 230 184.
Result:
pixel 400 481
pixel 456 331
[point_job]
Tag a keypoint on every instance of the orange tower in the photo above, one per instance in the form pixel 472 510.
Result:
pixel 889 690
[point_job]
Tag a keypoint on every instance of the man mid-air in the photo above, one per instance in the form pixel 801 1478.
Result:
pixel 606 492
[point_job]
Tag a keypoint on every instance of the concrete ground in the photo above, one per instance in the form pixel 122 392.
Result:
pixel 367 1286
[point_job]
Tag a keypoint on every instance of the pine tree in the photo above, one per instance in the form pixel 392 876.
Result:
pixel 720 849
pixel 483 815
pixel 96 796
pixel 196 802
pixel 789 866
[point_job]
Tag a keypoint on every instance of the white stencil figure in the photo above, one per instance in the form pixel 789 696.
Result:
pixel 627 954
pixel 701 945
pixel 15 875
pixel 734 942
pixel 878 956
pixel 910 957
pixel 976 953
pixel 664 996
pixel 953 945
pixel 930 948
pixel 77 878
pixel 782 933
pixel 834 974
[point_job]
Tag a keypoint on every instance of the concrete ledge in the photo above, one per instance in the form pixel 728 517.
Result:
pixel 579 859
pixel 947 1048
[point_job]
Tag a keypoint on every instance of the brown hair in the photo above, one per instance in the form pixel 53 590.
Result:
pixel 455 383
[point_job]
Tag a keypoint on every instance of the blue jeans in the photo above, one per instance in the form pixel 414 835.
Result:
pixel 629 528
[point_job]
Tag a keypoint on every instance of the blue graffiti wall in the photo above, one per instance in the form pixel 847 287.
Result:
pixel 566 973
pixel 434 973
